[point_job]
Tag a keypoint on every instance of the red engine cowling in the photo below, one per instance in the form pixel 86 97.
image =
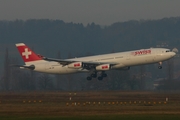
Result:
pixel 103 67
pixel 75 65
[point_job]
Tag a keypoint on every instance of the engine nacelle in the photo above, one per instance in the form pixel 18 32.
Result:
pixel 103 67
pixel 75 65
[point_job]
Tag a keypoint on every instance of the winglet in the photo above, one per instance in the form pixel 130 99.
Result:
pixel 26 53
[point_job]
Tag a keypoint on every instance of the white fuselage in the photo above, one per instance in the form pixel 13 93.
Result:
pixel 122 60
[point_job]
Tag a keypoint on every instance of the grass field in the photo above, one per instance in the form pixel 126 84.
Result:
pixel 103 105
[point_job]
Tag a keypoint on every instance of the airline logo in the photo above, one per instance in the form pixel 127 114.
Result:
pixel 26 53
pixel 105 67
pixel 141 52
pixel 77 65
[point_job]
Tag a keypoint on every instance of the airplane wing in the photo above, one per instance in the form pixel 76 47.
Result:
pixel 86 64
pixel 61 61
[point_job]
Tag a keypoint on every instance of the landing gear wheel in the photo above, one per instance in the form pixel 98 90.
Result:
pixel 94 75
pixel 89 78
pixel 160 67
pixel 100 78
pixel 104 75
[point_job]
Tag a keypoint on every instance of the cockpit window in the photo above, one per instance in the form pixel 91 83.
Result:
pixel 167 50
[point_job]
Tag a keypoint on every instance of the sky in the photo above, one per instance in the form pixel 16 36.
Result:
pixel 103 12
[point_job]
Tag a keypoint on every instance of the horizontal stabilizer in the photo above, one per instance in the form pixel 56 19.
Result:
pixel 31 67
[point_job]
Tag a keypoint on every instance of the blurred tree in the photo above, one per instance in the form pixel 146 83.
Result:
pixel 142 80
pixel 45 82
pixel 6 75
pixel 118 79
pixel 59 77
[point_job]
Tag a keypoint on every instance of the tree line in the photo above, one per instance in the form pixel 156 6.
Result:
pixel 67 37
pixel 55 38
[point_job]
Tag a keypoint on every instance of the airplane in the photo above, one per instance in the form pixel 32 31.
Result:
pixel 96 65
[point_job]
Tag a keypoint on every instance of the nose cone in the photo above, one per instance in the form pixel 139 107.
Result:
pixel 173 54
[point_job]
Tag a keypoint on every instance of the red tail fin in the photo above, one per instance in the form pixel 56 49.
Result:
pixel 26 53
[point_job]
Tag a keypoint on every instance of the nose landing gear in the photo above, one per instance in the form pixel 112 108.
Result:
pixel 160 65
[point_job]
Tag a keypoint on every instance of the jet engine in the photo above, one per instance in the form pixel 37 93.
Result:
pixel 75 65
pixel 103 67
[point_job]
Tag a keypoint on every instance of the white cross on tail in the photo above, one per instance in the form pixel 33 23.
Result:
pixel 26 53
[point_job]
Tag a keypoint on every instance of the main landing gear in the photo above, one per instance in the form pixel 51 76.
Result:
pixel 94 75
pixel 160 65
